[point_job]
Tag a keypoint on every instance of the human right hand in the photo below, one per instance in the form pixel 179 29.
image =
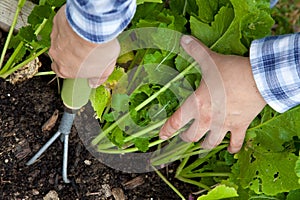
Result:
pixel 226 100
pixel 75 57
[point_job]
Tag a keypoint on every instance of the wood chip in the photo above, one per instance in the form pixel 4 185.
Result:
pixel 118 194
pixel 50 123
pixel 137 181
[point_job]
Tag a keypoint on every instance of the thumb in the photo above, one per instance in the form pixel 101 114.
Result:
pixel 201 53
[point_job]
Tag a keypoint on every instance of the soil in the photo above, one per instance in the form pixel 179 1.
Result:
pixel 24 108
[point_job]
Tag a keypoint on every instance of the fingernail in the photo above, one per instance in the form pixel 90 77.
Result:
pixel 186 39
pixel 163 137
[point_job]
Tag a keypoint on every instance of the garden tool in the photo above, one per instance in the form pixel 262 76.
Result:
pixel 75 94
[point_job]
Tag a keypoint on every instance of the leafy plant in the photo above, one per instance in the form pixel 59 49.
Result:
pixel 32 40
pixel 265 168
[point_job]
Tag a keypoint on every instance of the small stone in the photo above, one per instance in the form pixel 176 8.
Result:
pixel 107 190
pixel 35 192
pixel 6 160
pixel 88 162
pixel 52 195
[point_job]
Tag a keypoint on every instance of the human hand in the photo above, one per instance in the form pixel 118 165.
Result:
pixel 75 57
pixel 226 100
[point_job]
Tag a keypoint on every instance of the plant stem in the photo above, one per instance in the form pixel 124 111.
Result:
pixel 143 104
pixel 205 174
pixel 168 183
pixel 138 134
pixel 7 73
pixel 129 150
pixel 197 183
pixel 11 30
pixel 199 161
pixel 45 73
pixel 10 61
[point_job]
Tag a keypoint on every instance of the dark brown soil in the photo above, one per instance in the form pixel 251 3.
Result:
pixel 24 108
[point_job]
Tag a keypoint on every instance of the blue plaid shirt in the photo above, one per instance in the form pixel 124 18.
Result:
pixel 275 64
pixel 99 21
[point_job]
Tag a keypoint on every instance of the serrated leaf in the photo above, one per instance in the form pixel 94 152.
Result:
pixel 39 13
pixel 209 34
pixel 267 173
pixel 100 97
pixel 56 3
pixel 26 34
pixel 266 166
pixel 219 192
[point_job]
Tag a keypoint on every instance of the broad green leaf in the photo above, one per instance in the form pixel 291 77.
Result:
pixel 293 195
pixel 26 34
pixel 297 168
pixel 100 98
pixel 39 13
pixel 265 165
pixel 56 3
pixel 117 137
pixel 207 10
pixel 219 192
pixel 142 144
pixel 120 102
pixel 182 7
pixel 138 2
pixel 209 34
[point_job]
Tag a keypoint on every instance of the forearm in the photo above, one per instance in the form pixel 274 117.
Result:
pixel 275 64
pixel 99 21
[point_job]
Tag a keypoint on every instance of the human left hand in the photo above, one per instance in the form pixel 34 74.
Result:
pixel 226 100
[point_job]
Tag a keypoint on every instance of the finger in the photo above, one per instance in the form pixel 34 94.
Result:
pixel 236 140
pixel 214 138
pixel 55 68
pixel 181 117
pixel 201 53
pixel 195 132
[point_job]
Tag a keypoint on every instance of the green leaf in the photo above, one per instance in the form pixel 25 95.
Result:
pixel 142 144
pixel 44 35
pixel 209 34
pixel 293 195
pixel 182 7
pixel 220 192
pixel 39 13
pixel 56 3
pixel 26 34
pixel 120 102
pixel 265 165
pixel 297 168
pixel 100 98
pixel 117 137
pixel 230 39
pixel 207 10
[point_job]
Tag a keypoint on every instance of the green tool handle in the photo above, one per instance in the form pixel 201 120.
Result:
pixel 75 93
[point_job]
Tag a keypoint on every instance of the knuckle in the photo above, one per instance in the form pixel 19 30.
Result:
pixel 174 123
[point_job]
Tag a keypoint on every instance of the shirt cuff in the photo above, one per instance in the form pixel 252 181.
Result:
pixel 99 21
pixel 275 65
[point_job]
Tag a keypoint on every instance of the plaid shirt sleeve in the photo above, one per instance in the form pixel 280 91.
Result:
pixel 99 21
pixel 275 64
